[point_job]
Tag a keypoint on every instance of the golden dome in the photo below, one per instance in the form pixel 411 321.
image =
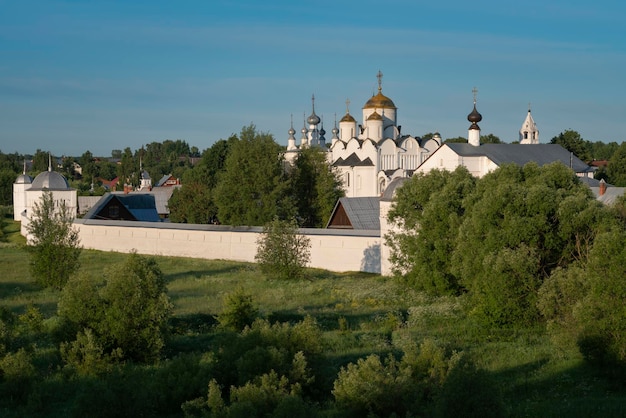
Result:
pixel 380 101
pixel 347 118
pixel 375 116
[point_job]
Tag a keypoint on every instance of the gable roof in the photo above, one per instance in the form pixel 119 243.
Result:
pixel 356 213
pixel 521 154
pixel 353 161
pixel 141 206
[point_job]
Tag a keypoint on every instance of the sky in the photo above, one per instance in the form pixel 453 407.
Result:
pixel 104 75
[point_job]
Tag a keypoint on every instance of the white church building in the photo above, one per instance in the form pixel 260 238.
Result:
pixel 28 192
pixel 370 154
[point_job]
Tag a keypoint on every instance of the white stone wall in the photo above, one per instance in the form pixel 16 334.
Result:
pixel 330 249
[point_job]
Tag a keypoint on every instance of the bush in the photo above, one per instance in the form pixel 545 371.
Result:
pixel 53 243
pixel 281 252
pixel 127 311
pixel 239 310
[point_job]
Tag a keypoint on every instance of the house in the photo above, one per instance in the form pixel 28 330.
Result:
pixel 168 180
pixel 125 207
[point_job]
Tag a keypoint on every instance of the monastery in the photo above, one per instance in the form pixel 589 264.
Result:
pixel 370 154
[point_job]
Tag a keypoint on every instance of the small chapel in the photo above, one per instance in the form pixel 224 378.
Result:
pixel 370 154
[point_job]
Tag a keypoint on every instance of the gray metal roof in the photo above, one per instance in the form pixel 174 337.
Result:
pixel 363 212
pixel 50 180
pixel 521 154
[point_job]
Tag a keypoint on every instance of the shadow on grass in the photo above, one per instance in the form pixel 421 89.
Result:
pixel 197 274
pixel 13 289
pixel 580 391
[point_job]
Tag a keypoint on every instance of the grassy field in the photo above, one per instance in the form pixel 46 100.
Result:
pixel 360 314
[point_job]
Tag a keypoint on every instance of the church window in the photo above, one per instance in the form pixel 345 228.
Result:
pixel 525 134
pixel 348 179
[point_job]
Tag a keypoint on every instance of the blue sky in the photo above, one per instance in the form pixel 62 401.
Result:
pixel 103 75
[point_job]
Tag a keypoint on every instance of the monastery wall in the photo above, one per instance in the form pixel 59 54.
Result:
pixel 334 250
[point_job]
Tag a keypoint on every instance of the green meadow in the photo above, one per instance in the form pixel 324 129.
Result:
pixel 535 373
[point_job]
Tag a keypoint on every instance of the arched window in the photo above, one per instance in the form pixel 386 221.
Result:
pixel 525 134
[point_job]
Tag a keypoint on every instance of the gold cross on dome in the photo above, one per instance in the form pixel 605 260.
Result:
pixel 379 76
pixel 474 91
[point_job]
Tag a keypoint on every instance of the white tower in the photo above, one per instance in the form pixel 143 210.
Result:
pixel 528 133
pixel 22 183
pixel 473 133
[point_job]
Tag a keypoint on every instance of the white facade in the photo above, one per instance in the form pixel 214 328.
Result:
pixel 369 155
pixel 26 195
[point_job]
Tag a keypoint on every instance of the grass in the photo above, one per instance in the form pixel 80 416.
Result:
pixel 360 314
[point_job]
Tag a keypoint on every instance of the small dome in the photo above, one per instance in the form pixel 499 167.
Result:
pixel 145 175
pixel 347 118
pixel 474 117
pixel 291 131
pixel 335 130
pixel 375 116
pixel 313 119
pixel 50 180
pixel 380 101
pixel 23 179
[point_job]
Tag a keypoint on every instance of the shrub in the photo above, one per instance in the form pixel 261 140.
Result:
pixel 281 252
pixel 239 310
pixel 53 243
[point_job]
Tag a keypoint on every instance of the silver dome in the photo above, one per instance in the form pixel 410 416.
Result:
pixel 50 180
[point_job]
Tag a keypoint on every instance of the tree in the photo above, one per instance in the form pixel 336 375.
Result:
pixel 520 224
pixel 281 252
pixel 252 190
pixel 616 170
pixel 88 167
pixel 316 187
pixel 574 143
pixel 490 139
pixel 428 209
pixel 41 161
pixel 459 139
pixel 53 242
pixel 239 310
pixel 127 311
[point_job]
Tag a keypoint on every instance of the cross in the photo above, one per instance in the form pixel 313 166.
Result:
pixel 474 90
pixel 379 76
pixel 347 106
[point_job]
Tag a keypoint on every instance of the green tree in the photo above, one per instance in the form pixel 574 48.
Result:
pixel 53 242
pixel 253 189
pixel 490 139
pixel 128 168
pixel 458 139
pixel 316 187
pixel 573 142
pixel 281 251
pixel 520 224
pixel 88 166
pixel 127 311
pixel 616 170
pixel 41 161
pixel 428 209
pixel 7 177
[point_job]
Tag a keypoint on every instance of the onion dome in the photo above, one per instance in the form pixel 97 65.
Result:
pixel 375 116
pixel 380 101
pixel 474 117
pixel 335 131
pixel 313 119
pixel 291 131
pixel 50 180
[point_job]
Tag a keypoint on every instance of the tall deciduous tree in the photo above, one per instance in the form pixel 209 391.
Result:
pixel 573 142
pixel 616 170
pixel 520 224
pixel 316 187
pixel 54 243
pixel 253 188
pixel 428 209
